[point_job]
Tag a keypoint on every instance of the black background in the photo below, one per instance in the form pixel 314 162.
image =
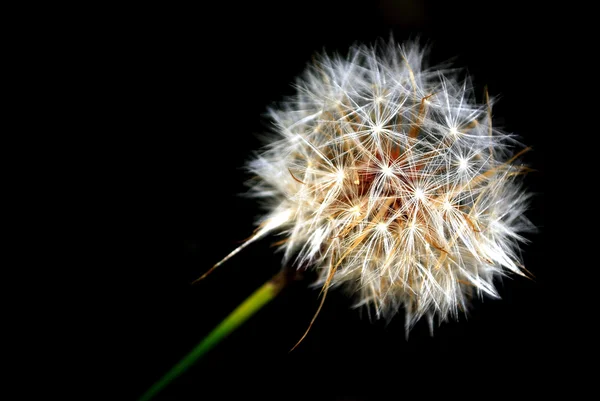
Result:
pixel 201 79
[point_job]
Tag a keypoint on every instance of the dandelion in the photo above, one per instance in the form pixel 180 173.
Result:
pixel 389 179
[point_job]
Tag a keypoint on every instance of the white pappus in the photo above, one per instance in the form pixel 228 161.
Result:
pixel 389 179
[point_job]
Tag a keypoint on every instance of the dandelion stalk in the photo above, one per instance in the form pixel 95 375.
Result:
pixel 243 312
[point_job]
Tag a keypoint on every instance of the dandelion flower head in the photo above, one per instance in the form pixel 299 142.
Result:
pixel 390 180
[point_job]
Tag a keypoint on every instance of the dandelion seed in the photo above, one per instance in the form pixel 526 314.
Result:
pixel 389 179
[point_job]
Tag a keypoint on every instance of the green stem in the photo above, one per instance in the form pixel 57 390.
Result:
pixel 251 305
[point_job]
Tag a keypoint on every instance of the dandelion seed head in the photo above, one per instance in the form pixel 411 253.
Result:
pixel 389 180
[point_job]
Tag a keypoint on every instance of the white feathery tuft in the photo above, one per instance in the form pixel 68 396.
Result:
pixel 389 179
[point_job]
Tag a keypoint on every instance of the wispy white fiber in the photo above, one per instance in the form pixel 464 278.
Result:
pixel 389 179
